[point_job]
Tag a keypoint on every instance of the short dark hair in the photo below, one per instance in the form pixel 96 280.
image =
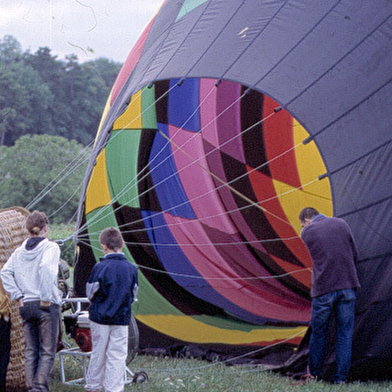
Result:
pixel 307 213
pixel 36 221
pixel 111 237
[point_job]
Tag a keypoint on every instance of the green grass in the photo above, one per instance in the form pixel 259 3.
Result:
pixel 170 374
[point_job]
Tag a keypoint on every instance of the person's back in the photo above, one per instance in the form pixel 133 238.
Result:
pixel 30 277
pixel 34 272
pixel 111 289
pixel 333 251
pixel 117 278
pixel 334 283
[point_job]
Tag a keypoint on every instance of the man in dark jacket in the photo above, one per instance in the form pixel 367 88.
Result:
pixel 111 288
pixel 334 282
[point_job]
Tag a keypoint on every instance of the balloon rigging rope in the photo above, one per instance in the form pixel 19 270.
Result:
pixel 211 278
pixel 223 184
pixel 214 244
pixel 228 212
pixel 66 202
pixel 130 185
pixel 73 165
pixel 241 278
pixel 329 11
pixel 38 198
pixel 214 190
pixel 235 191
pixel 201 219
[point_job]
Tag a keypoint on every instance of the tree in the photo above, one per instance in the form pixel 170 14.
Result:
pixel 24 99
pixel 52 72
pixel 84 95
pixel 79 92
pixel 50 167
pixel 10 49
pixel 106 69
pixel 41 94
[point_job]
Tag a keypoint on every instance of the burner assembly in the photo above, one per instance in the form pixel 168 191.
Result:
pixel 77 327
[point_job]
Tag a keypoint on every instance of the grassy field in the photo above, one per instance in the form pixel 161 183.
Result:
pixel 168 374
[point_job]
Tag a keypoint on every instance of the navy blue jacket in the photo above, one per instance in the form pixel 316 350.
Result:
pixel 111 288
pixel 332 247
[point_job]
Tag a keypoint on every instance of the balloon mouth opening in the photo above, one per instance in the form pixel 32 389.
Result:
pixel 213 176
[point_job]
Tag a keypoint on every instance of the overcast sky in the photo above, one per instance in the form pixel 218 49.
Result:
pixel 88 28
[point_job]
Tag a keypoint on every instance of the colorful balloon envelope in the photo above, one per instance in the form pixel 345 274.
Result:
pixel 226 120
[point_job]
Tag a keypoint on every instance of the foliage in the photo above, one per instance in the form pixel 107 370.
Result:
pixel 24 100
pixel 10 50
pixel 41 94
pixel 60 232
pixel 48 170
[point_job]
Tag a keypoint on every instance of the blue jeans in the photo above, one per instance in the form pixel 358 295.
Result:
pixel 340 303
pixel 40 329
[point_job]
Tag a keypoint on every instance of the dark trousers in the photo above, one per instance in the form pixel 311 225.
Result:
pixel 5 348
pixel 342 304
pixel 40 329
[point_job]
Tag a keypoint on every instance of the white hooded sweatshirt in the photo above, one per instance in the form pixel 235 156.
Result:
pixel 32 274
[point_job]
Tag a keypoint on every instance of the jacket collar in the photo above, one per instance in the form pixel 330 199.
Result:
pixel 111 256
pixel 317 217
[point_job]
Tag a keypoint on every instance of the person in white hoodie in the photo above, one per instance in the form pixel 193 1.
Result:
pixel 30 277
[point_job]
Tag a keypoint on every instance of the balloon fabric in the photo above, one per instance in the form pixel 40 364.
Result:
pixel 227 118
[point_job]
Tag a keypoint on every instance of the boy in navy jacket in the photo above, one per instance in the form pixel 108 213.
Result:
pixel 111 289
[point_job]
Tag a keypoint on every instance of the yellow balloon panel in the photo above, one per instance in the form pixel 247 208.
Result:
pixel 188 329
pixel 132 117
pixel 314 192
pixel 104 115
pixel 97 193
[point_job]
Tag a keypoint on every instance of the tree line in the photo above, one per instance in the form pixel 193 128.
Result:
pixel 49 111
pixel 41 94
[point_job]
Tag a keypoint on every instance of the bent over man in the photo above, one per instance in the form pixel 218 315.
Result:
pixel 334 282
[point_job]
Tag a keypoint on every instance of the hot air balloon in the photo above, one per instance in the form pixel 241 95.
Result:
pixel 227 118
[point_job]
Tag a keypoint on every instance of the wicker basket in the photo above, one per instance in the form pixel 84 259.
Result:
pixel 12 233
